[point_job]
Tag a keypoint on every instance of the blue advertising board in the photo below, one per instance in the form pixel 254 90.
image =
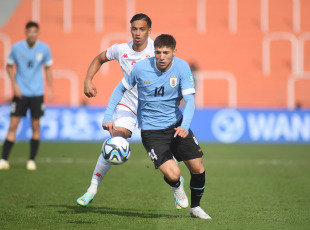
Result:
pixel 209 125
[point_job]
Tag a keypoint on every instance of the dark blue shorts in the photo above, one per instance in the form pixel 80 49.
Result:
pixel 161 146
pixel 20 106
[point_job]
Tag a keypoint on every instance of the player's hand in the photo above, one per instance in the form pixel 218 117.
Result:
pixel 17 91
pixel 90 89
pixel 180 131
pixel 50 95
pixel 110 126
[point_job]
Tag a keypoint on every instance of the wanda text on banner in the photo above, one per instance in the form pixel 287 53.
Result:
pixel 209 125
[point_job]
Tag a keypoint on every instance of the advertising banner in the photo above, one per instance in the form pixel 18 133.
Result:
pixel 209 125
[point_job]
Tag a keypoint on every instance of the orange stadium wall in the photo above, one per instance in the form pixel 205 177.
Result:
pixel 243 53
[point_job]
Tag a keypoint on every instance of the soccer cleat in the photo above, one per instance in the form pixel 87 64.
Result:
pixel 177 206
pixel 31 165
pixel 4 165
pixel 86 199
pixel 197 212
pixel 180 198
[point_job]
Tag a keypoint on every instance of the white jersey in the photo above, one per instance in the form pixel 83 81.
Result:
pixel 127 57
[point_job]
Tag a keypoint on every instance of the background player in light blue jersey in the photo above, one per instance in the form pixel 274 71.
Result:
pixel 162 82
pixel 29 56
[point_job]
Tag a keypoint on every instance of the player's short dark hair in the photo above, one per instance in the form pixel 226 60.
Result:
pixel 165 40
pixel 142 17
pixel 32 24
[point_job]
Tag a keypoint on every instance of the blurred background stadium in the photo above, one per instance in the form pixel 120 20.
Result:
pixel 250 59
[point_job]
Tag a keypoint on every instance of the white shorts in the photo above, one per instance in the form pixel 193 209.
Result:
pixel 125 118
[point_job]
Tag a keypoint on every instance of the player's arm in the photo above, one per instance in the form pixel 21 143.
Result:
pixel 187 85
pixel 90 89
pixel 49 81
pixel 48 61
pixel 10 70
pixel 188 114
pixel 108 122
pixel 127 83
pixel 16 89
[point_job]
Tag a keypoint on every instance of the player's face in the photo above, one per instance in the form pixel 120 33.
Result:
pixel 164 57
pixel 32 34
pixel 140 32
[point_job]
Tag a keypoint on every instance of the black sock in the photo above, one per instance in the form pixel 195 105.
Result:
pixel 34 146
pixel 197 186
pixel 7 146
pixel 173 183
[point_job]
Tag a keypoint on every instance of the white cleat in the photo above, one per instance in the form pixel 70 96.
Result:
pixel 180 195
pixel 31 165
pixel 4 165
pixel 197 212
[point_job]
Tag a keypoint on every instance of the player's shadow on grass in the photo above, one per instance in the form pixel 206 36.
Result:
pixel 112 211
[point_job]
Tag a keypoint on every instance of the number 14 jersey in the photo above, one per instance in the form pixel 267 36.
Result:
pixel 160 92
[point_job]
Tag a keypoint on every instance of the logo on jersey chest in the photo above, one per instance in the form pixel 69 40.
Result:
pixel 39 56
pixel 125 55
pixel 173 81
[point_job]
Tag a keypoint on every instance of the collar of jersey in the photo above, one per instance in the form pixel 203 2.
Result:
pixel 26 44
pixel 148 44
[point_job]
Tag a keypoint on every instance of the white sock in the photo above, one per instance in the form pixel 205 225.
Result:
pixel 101 169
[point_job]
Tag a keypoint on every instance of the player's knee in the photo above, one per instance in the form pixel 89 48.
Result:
pixel 36 128
pixel 173 175
pixel 198 169
pixel 13 128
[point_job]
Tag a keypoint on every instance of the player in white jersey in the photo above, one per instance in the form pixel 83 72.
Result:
pixel 126 111
pixel 127 54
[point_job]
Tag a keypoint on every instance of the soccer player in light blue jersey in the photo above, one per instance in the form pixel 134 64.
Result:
pixel 29 56
pixel 127 54
pixel 162 81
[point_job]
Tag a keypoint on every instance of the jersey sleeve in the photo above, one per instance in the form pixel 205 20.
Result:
pixel 187 80
pixel 48 61
pixel 188 111
pixel 112 52
pixel 12 57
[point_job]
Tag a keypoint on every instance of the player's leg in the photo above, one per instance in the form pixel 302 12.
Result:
pixel 125 122
pixel 34 143
pixel 158 147
pixel 102 166
pixel 190 152
pixel 197 186
pixel 37 110
pixel 172 176
pixel 18 109
pixel 9 142
pixel 101 169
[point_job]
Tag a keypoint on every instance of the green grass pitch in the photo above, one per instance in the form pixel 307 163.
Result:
pixel 247 187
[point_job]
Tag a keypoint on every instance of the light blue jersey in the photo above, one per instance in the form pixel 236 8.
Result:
pixel 159 92
pixel 29 62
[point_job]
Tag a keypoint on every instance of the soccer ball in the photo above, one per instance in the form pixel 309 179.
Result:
pixel 116 150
